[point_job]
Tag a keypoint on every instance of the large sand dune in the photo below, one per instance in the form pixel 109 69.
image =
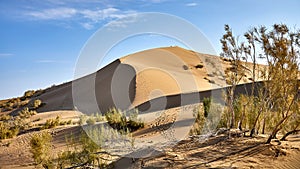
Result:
pixel 136 79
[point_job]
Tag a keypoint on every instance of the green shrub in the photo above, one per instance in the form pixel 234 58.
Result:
pixel 99 117
pixel 40 144
pixel 82 120
pixel 51 123
pixel 206 106
pixel 29 94
pixel 7 130
pixel 199 121
pixel 118 120
pixel 26 113
pixel 91 121
pixel 36 103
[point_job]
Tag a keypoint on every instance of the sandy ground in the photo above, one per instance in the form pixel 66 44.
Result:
pixel 218 151
pixel 142 77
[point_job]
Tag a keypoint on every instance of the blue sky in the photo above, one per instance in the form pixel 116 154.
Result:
pixel 40 40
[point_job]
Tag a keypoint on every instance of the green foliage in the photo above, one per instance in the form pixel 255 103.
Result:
pixel 29 94
pixel 118 120
pixel 26 113
pixel 275 107
pixel 7 130
pixel 82 120
pixel 36 103
pixel 51 123
pixel 199 122
pixel 206 106
pixel 40 144
pixel 82 151
pixel 91 121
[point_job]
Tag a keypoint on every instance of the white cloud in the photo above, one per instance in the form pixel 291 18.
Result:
pixel 191 4
pixel 87 25
pixel 53 14
pixel 123 21
pixel 87 18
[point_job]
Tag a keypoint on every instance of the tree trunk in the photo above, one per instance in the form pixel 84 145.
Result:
pixel 254 125
pixel 242 118
pixel 288 133
pixel 263 127
pixel 272 135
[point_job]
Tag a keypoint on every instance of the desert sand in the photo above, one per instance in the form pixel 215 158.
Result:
pixel 154 80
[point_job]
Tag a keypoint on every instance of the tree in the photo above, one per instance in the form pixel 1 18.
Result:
pixel 278 96
pixel 234 52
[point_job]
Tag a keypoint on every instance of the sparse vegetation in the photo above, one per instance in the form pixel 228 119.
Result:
pixel 206 106
pixel 40 144
pixel 36 103
pixel 51 123
pixel 275 107
pixel 118 120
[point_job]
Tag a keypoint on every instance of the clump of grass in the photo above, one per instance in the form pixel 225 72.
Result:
pixel 36 103
pixel 91 121
pixel 118 120
pixel 40 144
pixel 26 113
pixel 51 123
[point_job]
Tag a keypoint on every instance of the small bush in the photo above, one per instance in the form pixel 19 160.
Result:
pixel 26 113
pixel 199 122
pixel 29 94
pixel 99 117
pixel 82 120
pixel 91 121
pixel 7 130
pixel 118 120
pixel 40 148
pixel 206 106
pixel 51 123
pixel 36 103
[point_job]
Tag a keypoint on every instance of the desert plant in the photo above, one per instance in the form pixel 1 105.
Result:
pixel 118 120
pixel 26 113
pixel 40 144
pixel 91 121
pixel 206 106
pixel 199 121
pixel 36 103
pixel 51 123
pixel 28 93
pixel 7 130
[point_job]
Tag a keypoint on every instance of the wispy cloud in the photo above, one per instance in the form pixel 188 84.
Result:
pixel 87 18
pixel 191 4
pixel 123 22
pixel 53 14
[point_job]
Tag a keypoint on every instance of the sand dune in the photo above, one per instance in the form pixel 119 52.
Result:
pixel 134 80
